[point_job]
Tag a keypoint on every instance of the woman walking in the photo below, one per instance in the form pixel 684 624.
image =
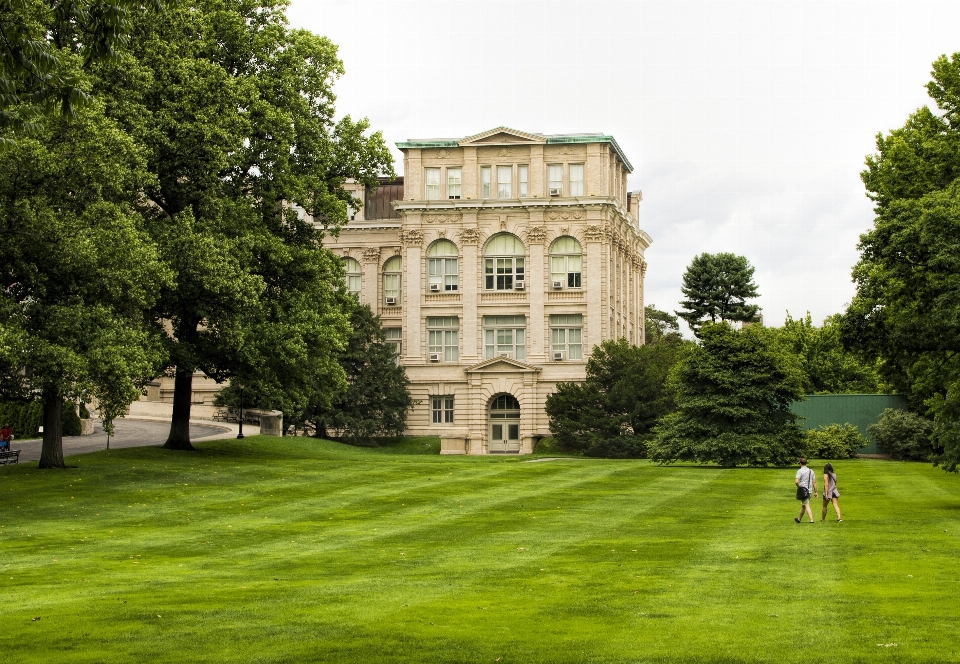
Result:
pixel 830 492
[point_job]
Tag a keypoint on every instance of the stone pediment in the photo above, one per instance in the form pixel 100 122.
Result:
pixel 502 136
pixel 501 365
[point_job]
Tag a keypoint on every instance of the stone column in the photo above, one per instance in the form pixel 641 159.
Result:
pixel 469 289
pixel 535 186
pixel 536 292
pixel 470 188
pixel 412 175
pixel 597 304
pixel 412 294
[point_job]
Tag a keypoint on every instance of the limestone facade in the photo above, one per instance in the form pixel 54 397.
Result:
pixel 501 260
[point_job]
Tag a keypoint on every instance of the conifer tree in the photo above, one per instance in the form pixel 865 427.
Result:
pixel 717 287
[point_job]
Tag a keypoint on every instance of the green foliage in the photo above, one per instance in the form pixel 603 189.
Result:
pixel 717 287
pixel 904 435
pixel 612 413
pixel 834 441
pixel 235 110
pixel 906 312
pixel 376 400
pixel 25 419
pixel 659 325
pixel 78 268
pixel 734 392
pixel 70 420
pixel 828 368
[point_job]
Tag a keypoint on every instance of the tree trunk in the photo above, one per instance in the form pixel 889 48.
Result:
pixel 179 438
pixel 51 454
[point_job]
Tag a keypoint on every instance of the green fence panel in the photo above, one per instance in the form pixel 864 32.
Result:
pixel 860 410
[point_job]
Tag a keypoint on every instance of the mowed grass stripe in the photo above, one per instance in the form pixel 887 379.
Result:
pixel 508 575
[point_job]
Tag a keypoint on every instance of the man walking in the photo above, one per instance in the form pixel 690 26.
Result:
pixel 806 481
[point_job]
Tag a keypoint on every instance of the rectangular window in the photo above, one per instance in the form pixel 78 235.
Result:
pixel 392 338
pixel 444 271
pixel 504 334
pixel 485 182
pixel 432 184
pixel 443 337
pixel 576 179
pixel 522 181
pixel 566 335
pixel 567 270
pixel 453 183
pixel 441 409
pixel 502 273
pixel 555 177
pixel 504 181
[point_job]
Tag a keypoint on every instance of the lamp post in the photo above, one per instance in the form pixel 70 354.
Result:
pixel 240 434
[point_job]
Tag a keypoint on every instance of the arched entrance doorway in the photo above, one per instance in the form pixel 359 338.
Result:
pixel 504 428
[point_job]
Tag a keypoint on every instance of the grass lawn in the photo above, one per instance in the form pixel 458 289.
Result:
pixel 296 550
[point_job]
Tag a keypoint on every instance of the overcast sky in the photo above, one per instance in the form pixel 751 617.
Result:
pixel 747 122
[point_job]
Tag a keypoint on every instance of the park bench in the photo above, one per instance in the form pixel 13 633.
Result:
pixel 13 456
pixel 221 416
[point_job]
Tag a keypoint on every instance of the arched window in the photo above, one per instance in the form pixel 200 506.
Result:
pixel 442 266
pixel 503 262
pixel 352 267
pixel 565 263
pixel 392 271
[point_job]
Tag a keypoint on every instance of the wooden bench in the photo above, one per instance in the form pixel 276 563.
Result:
pixel 220 416
pixel 12 456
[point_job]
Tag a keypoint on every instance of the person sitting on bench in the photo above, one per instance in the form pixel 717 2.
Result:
pixel 6 435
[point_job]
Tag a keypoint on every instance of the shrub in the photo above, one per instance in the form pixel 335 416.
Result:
pixel 618 447
pixel 903 435
pixel 834 441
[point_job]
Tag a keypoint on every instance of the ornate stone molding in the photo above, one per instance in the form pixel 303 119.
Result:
pixel 594 233
pixel 556 215
pixel 442 218
pixel 537 234
pixel 371 255
pixel 411 237
pixel 469 236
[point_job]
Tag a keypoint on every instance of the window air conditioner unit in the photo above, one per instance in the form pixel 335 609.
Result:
pixel 390 301
pixel 434 357
pixel 434 288
pixel 558 356
pixel 554 191
pixel 557 285
pixel 505 353
pixel 518 285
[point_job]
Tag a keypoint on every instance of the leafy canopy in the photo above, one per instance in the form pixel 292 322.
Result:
pixel 717 287
pixel 906 311
pixel 734 392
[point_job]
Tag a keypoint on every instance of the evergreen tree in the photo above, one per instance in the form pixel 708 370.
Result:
pixel 613 411
pixel 717 287
pixel 734 392
pixel 376 400
pixel 659 325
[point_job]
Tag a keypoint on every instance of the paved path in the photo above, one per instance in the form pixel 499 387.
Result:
pixel 133 432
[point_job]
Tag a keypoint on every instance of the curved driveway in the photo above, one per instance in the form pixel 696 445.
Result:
pixel 131 432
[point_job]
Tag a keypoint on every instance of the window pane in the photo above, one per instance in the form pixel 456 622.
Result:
pixel 504 244
pixel 555 176
pixel 485 181
pixel 576 179
pixel 453 183
pixel 565 245
pixel 521 181
pixel 393 265
pixel 504 179
pixel 497 431
pixel 432 182
pixel 514 431
pixel 442 248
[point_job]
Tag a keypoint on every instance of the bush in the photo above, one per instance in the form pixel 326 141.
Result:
pixel 70 420
pixel 619 447
pixel 26 418
pixel 834 441
pixel 903 435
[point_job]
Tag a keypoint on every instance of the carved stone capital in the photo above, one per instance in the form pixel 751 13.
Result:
pixel 411 237
pixel 594 233
pixel 536 234
pixel 469 236
pixel 371 255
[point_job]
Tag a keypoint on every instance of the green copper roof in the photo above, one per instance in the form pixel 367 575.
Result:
pixel 559 139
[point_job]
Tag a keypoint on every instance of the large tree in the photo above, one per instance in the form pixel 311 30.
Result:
pixel 717 287
pixel 734 392
pixel 376 399
pixel 78 269
pixel 659 325
pixel 828 367
pixel 906 312
pixel 613 411
pixel 45 46
pixel 236 112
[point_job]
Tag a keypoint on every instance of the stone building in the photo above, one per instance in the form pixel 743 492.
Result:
pixel 496 264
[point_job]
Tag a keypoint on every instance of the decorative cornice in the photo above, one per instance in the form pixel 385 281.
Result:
pixel 442 218
pixel 556 215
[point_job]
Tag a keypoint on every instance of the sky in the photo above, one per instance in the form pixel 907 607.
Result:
pixel 747 123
